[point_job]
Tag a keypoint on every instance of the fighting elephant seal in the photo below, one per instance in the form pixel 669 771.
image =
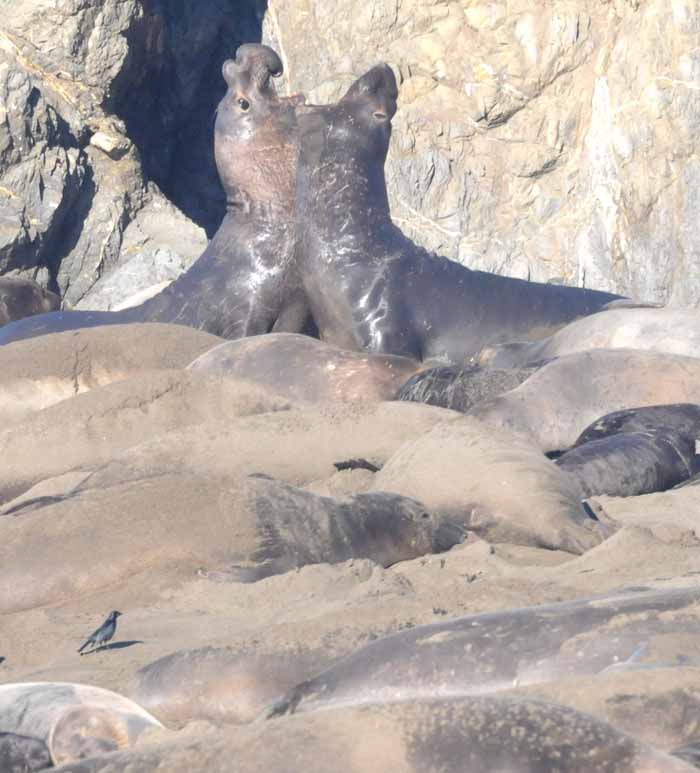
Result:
pixel 370 287
pixel 495 651
pixel 246 281
pixel 636 451
pixel 21 298
pixel 306 369
pixel 69 721
pixel 451 735
pixel 671 331
pixel 565 396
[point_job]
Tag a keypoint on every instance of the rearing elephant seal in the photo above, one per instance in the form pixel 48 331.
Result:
pixel 372 288
pixel 245 282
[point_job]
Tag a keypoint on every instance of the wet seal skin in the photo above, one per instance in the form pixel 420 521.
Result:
pixel 371 288
pixel 246 281
pixel 636 451
pixel 495 651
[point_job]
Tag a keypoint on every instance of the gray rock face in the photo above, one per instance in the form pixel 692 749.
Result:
pixel 556 143
pixel 103 105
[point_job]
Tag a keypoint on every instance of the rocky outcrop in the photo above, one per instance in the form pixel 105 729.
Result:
pixel 555 143
pixel 106 122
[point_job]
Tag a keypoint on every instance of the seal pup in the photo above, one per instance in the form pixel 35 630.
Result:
pixel 636 451
pixel 371 288
pixel 245 282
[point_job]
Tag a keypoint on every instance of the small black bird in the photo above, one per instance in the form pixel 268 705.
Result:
pixel 104 633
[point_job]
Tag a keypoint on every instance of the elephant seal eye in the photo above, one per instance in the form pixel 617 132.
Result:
pixel 244 105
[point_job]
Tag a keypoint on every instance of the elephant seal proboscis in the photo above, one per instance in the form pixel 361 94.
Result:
pixel 65 722
pixel 245 282
pixel 370 287
pixel 495 651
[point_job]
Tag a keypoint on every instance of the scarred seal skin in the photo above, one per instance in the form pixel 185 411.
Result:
pixel 245 282
pixel 636 451
pixel 372 288
pixel 495 651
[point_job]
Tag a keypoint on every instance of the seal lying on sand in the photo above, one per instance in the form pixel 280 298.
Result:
pixel 451 735
pixel 369 286
pixel 556 404
pixel 673 331
pixel 306 369
pixel 245 530
pixel 67 722
pixel 245 282
pixel 21 298
pixel 460 388
pixel 495 651
pixel 636 451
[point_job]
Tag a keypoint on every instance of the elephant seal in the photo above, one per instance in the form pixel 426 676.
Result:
pixel 245 282
pixel 556 404
pixel 672 331
pixel 636 451
pixel 246 529
pixel 491 652
pixel 485 734
pixel 65 722
pixel 460 388
pixel 306 369
pixel 21 298
pixel 371 288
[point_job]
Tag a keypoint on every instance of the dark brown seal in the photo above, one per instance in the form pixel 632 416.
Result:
pixel 372 288
pixel 246 281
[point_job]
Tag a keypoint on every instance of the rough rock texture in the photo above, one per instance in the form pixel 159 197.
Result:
pixel 556 143
pixel 103 105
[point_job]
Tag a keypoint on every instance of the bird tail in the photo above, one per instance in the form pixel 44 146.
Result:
pixel 80 651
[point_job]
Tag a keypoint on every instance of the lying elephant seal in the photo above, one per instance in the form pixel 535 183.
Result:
pixel 672 331
pixel 21 298
pixel 304 368
pixel 460 388
pixel 245 530
pixel 246 281
pixel 487 734
pixel 495 651
pixel 636 451
pixel 565 396
pixel 65 722
pixel 371 288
